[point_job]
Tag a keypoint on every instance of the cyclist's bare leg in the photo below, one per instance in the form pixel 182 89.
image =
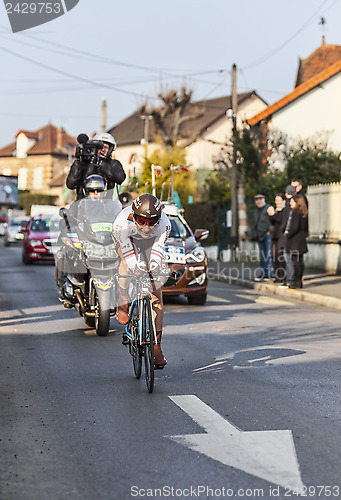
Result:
pixel 157 304
pixel 122 312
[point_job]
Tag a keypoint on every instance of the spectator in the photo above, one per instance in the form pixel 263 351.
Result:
pixel 277 254
pixel 296 233
pixel 289 192
pixel 297 183
pixel 261 233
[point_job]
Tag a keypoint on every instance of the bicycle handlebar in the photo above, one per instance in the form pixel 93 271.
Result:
pixel 143 277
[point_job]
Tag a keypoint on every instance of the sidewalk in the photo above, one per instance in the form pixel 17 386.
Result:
pixel 319 288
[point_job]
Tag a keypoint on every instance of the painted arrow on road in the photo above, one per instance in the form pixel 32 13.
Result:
pixel 269 455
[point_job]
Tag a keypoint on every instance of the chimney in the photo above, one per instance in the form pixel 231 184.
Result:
pixel 60 138
pixel 104 115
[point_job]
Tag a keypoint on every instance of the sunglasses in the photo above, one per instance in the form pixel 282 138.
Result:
pixel 94 190
pixel 142 221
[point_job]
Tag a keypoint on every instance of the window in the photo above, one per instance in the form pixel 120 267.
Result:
pixel 178 228
pixel 22 178
pixel 38 178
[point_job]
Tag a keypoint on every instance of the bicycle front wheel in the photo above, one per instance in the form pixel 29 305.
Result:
pixel 135 349
pixel 148 336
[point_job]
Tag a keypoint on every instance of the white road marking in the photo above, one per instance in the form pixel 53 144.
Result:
pixel 213 298
pixel 264 299
pixel 270 455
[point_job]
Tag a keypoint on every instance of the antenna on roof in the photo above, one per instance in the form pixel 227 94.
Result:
pixel 322 23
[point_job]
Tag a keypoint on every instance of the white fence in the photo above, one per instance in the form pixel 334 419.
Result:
pixel 325 211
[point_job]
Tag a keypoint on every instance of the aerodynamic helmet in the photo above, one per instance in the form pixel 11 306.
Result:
pixel 108 139
pixel 94 183
pixel 146 209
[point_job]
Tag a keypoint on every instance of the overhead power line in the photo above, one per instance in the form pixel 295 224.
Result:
pixel 272 53
pixel 75 77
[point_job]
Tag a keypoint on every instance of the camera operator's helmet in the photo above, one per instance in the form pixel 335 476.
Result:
pixel 108 139
pixel 94 183
pixel 146 209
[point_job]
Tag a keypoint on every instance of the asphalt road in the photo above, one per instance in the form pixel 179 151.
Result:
pixel 76 424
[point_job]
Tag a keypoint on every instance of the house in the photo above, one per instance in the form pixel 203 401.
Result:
pixel 40 159
pixel 210 131
pixel 313 108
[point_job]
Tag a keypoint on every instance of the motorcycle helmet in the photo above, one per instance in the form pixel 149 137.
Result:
pixel 108 139
pixel 146 209
pixel 94 183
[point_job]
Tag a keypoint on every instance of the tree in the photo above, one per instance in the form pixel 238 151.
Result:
pixel 184 181
pixel 217 185
pixel 253 170
pixel 169 118
pixel 313 164
pixel 172 136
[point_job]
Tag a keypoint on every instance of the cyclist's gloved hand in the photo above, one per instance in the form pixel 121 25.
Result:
pixel 140 268
pixel 154 267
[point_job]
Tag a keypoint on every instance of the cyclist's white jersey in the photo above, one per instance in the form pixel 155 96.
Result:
pixel 126 233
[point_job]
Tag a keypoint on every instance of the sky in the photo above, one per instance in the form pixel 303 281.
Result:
pixel 129 51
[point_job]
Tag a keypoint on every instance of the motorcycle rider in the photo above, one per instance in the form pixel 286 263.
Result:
pixel 110 169
pixel 140 231
pixel 94 186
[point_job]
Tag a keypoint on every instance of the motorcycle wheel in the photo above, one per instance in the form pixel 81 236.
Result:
pixel 102 322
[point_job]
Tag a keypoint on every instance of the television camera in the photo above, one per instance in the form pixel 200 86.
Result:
pixel 87 149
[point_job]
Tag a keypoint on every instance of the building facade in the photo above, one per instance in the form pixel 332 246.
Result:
pixel 39 159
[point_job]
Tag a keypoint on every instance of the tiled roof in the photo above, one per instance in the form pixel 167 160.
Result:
pixel 302 89
pixel 131 130
pixel 323 57
pixel 49 140
pixel 8 150
pixel 28 133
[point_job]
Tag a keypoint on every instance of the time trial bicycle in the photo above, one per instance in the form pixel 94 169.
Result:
pixel 140 333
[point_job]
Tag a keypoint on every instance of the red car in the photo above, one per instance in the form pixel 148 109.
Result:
pixel 40 239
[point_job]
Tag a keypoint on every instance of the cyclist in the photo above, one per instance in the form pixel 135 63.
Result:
pixel 141 230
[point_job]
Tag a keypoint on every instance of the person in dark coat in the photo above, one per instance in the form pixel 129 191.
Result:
pixel 262 234
pixel 111 170
pixel 296 233
pixel 290 191
pixel 297 183
pixel 276 217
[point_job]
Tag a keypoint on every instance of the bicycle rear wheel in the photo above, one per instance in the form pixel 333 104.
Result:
pixel 135 349
pixel 148 335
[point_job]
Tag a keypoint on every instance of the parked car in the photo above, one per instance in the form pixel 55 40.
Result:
pixel 14 230
pixel 3 225
pixel 40 240
pixel 186 259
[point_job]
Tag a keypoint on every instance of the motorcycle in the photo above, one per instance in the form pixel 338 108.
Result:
pixel 90 261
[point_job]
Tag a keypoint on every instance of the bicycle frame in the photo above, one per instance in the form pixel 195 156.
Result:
pixel 142 289
pixel 140 330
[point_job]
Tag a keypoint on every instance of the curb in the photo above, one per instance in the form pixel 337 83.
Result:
pixel 271 289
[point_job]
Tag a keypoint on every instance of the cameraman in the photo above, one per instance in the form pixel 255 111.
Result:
pixel 93 159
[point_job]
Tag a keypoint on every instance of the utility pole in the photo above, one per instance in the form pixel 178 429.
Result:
pixel 104 115
pixel 234 186
pixel 146 118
